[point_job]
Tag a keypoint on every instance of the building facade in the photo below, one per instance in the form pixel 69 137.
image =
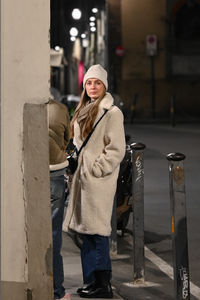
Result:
pixel 172 70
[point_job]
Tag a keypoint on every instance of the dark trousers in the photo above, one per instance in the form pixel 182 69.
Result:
pixel 95 256
pixel 57 186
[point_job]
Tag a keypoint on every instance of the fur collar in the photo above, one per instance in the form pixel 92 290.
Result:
pixel 106 102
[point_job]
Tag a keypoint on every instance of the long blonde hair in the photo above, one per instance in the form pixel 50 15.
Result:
pixel 92 113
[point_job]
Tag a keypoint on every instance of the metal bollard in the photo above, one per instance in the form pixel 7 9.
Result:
pixel 179 226
pixel 172 110
pixel 113 236
pixel 133 106
pixel 138 211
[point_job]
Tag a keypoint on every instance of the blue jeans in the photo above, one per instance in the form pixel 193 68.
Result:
pixel 57 186
pixel 95 256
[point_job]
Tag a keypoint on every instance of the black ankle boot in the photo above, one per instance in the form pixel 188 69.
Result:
pixel 85 288
pixel 101 288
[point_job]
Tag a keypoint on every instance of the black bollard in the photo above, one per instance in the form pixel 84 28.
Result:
pixel 172 111
pixel 138 211
pixel 179 226
pixel 133 106
pixel 113 236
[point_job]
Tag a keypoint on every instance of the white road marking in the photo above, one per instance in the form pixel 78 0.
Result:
pixel 168 270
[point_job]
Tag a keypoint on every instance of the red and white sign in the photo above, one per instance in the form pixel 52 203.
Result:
pixel 151 45
pixel 120 51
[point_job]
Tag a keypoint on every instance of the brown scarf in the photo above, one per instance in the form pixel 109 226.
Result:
pixel 82 116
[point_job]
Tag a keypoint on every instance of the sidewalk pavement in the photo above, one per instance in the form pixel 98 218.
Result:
pixel 72 268
pixel 157 284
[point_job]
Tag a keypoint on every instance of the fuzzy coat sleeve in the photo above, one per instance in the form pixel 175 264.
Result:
pixel 115 145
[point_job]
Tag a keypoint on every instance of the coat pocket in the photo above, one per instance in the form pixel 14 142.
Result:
pixel 86 165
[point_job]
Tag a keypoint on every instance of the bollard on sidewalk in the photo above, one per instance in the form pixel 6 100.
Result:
pixel 179 226
pixel 172 111
pixel 138 211
pixel 133 106
pixel 113 236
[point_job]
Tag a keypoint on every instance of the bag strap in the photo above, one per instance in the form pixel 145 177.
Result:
pixel 89 135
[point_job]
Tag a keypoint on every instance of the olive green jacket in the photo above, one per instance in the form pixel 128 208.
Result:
pixel 59 133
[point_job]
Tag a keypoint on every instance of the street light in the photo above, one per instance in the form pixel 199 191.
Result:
pixel 76 14
pixel 92 19
pixel 73 31
pixel 95 10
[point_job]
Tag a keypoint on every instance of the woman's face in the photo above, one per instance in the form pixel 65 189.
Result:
pixel 94 88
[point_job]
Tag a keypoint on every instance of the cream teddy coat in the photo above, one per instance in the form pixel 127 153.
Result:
pixel 94 182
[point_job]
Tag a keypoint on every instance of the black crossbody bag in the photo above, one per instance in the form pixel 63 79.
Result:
pixel 73 160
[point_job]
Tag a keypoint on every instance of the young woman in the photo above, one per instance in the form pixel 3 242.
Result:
pixel 94 182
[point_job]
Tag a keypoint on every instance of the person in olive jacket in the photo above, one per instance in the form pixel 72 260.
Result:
pixel 95 180
pixel 59 135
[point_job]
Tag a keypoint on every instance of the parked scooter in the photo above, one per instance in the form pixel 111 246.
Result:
pixel 124 191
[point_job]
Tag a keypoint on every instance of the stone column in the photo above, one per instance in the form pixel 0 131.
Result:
pixel 26 255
